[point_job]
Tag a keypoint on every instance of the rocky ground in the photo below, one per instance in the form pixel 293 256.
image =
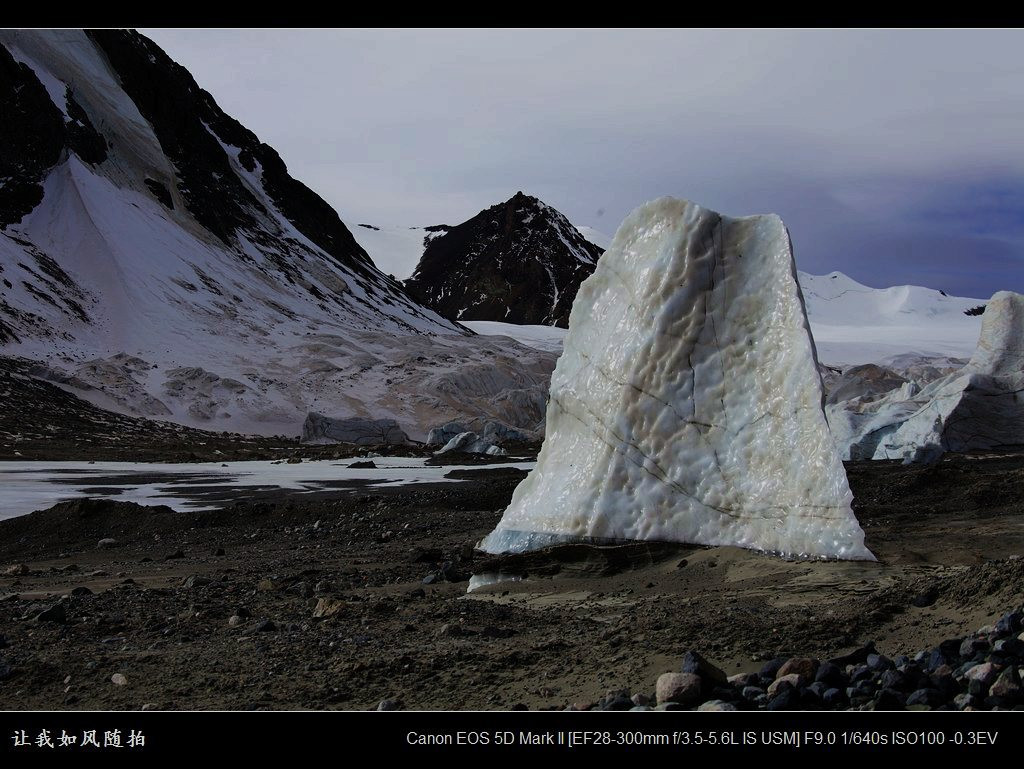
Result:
pixel 43 421
pixel 348 598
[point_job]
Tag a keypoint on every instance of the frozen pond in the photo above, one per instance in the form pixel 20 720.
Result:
pixel 29 486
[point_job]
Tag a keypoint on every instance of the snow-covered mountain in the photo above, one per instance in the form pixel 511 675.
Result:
pixel 161 261
pixel 852 324
pixel 520 261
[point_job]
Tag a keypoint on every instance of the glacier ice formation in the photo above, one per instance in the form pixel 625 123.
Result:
pixel 687 405
pixel 981 406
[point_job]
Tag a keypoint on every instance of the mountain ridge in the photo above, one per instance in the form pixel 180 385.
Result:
pixel 519 261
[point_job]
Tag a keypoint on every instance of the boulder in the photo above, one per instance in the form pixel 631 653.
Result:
pixel 355 430
pixel 470 443
pixel 682 688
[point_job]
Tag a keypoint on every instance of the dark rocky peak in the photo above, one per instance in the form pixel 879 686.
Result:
pixel 520 261
pixel 193 131
pixel 34 134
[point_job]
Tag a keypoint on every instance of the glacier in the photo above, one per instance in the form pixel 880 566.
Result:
pixel 978 407
pixel 687 404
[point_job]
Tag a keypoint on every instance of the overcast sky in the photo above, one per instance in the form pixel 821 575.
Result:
pixel 894 156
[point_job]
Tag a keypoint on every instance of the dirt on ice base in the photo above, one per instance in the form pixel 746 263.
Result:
pixel 331 608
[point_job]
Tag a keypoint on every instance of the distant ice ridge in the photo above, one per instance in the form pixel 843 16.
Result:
pixel 687 403
pixel 851 323
pixel 981 406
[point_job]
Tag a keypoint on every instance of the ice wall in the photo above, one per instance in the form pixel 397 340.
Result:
pixel 687 405
pixel 979 407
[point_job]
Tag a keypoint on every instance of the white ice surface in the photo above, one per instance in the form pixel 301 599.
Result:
pixel 687 403
pixel 396 250
pixel 548 338
pixel 28 486
pixel 851 323
pixel 979 407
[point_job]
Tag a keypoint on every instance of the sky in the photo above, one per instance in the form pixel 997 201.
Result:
pixel 895 156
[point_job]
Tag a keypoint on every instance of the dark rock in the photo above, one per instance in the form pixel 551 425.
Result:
pixel 695 663
pixel 389 705
pixel 196 580
pixel 619 702
pixel 930 698
pixel 879 662
pixel 726 693
pixel 6 671
pixel 1009 647
pixel 972 646
pixel 418 593
pixel 831 674
pixel 890 699
pixel 787 699
pixel 356 430
pixel 861 673
pixel 856 657
pixel 426 555
pixel 833 698
pixel 810 696
pixel 818 689
pixel 3 642
pixel 716 706
pixel 266 626
pixel 451 572
pixel 367 464
pixel 865 687
pixel 927 598
pixel 1010 623
pixel 81 590
pixel 946 684
pixel 55 613
pixel 175 555
pixel 752 692
pixel 522 245
pixel 771 668
pixel 1007 684
pixel 219 552
pixel 894 679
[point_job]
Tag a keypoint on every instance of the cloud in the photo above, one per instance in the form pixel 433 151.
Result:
pixel 893 155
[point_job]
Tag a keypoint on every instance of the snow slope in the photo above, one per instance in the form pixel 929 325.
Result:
pixel 176 270
pixel 396 250
pixel 853 323
pixel 549 338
